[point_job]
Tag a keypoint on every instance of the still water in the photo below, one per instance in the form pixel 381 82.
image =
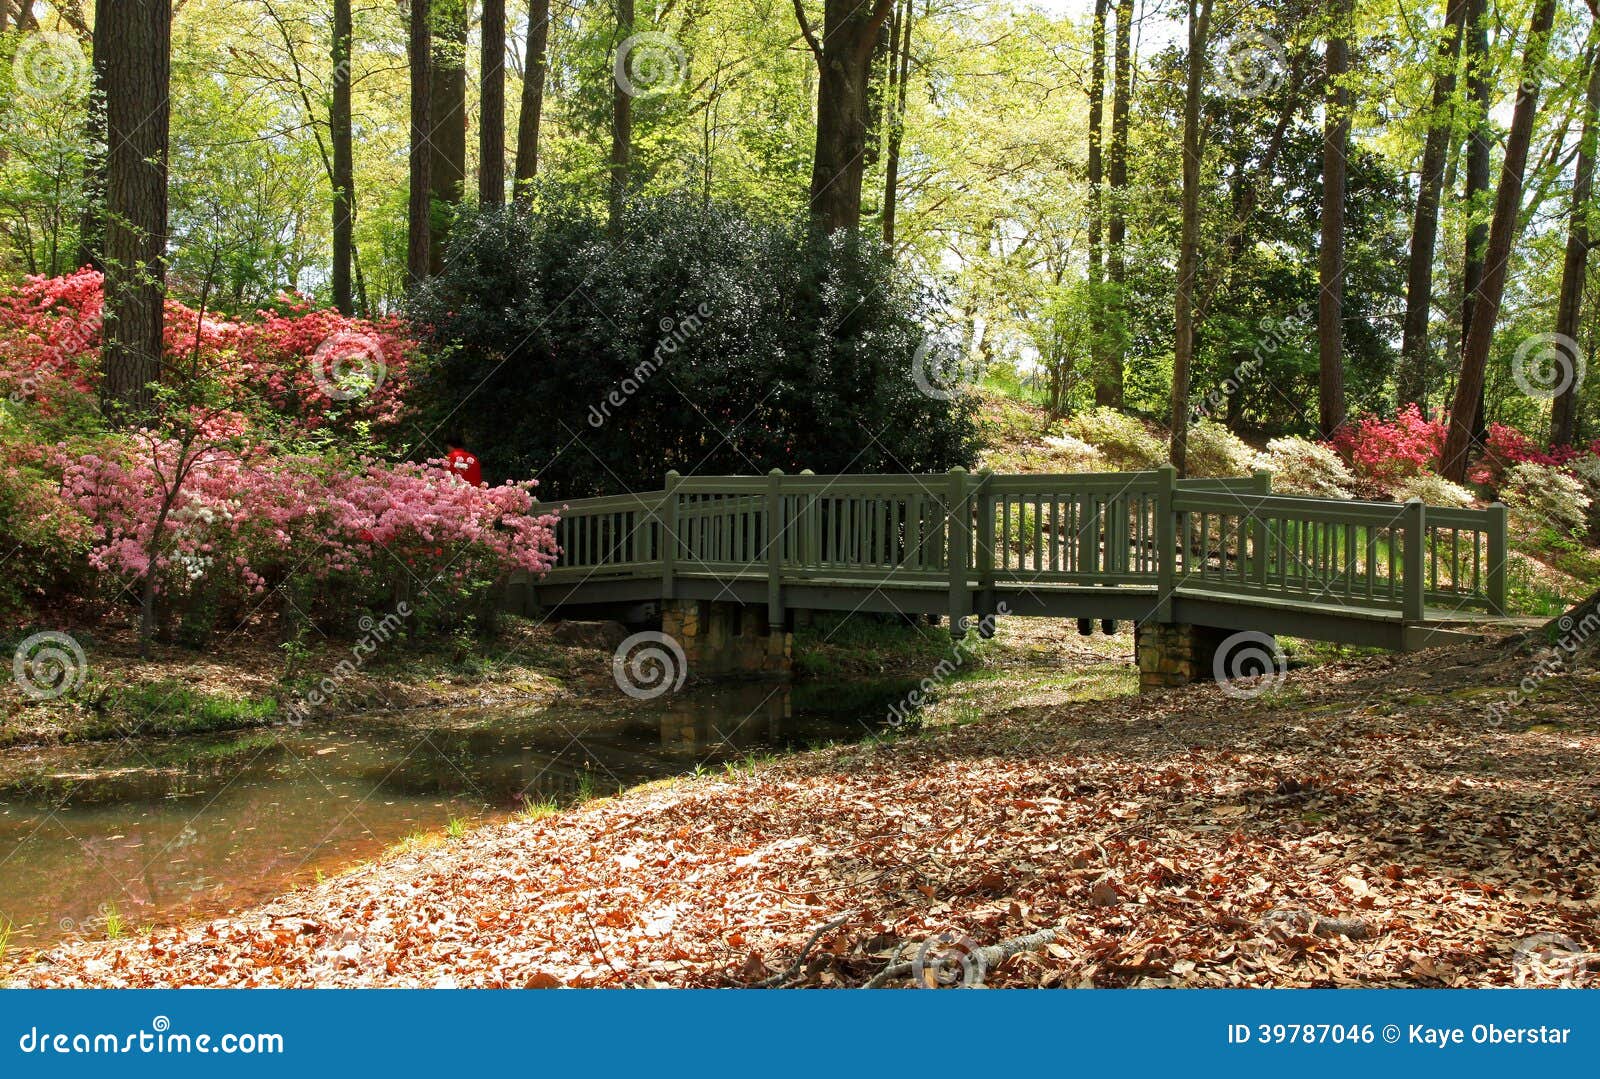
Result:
pixel 104 837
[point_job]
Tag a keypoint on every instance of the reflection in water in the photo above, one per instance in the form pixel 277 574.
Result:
pixel 165 830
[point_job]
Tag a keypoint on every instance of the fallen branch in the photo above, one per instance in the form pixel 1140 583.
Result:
pixel 780 981
pixel 985 958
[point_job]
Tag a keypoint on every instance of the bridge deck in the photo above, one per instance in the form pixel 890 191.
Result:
pixel 1125 546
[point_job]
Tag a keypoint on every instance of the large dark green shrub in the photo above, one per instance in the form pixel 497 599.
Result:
pixel 702 339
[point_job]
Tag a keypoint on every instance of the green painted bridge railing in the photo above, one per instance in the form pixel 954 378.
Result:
pixel 978 536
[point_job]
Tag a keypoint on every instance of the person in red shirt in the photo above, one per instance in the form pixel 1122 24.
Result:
pixel 462 463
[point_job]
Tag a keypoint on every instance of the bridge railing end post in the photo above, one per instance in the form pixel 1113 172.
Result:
pixel 1495 579
pixel 1166 540
pixel 1415 524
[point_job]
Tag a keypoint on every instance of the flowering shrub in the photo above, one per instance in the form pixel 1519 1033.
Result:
pixel 1433 489
pixel 1302 467
pixel 1121 438
pixel 1507 447
pixel 45 536
pixel 1382 452
pixel 1543 497
pixel 1068 454
pixel 1215 451
pixel 316 367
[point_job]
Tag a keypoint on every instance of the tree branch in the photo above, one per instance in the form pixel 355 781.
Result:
pixel 805 28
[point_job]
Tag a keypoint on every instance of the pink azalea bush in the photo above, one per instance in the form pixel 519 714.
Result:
pixel 1382 452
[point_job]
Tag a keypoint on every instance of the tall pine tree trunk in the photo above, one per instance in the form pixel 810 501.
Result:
pixel 1575 266
pixel 448 111
pixel 344 183
pixel 137 45
pixel 844 58
pixel 92 225
pixel 1097 104
pixel 527 165
pixel 1117 198
pixel 1330 255
pixel 492 106
pixel 1189 242
pixel 1480 144
pixel 900 70
pixel 1502 233
pixel 1425 221
pixel 621 123
pixel 419 231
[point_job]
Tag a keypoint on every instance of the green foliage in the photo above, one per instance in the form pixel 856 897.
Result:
pixel 706 338
pixel 1216 452
pixel 1124 440
pixel 1545 499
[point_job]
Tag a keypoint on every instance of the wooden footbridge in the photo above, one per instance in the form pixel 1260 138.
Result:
pixel 1143 547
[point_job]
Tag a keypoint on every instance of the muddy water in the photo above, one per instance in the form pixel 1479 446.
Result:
pixel 110 837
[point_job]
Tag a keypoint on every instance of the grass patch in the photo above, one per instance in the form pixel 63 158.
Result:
pixel 167 707
pixel 836 645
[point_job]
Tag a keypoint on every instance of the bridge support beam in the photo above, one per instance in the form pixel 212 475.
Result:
pixel 724 640
pixel 1172 654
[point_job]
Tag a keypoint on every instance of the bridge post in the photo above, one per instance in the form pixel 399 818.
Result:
pixel 667 514
pixel 958 538
pixel 1262 541
pixel 775 530
pixel 1414 600
pixel 983 499
pixel 1495 583
pixel 1166 541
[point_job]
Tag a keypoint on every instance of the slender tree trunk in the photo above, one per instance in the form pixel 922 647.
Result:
pixel 1330 260
pixel 92 225
pixel 900 60
pixel 1425 222
pixel 449 114
pixel 844 60
pixel 527 165
pixel 621 124
pixel 492 107
pixel 344 183
pixel 419 237
pixel 1575 266
pixel 1189 244
pixel 1502 233
pixel 1117 198
pixel 1480 144
pixel 137 37
pixel 1097 105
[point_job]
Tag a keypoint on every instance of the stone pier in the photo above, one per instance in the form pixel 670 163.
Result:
pixel 1175 653
pixel 721 640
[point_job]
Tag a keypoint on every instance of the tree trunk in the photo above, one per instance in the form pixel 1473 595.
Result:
pixel 1330 255
pixel 448 136
pixel 1097 105
pixel 419 231
pixel 844 59
pixel 900 62
pixel 1502 232
pixel 621 123
pixel 344 183
pixel 1574 267
pixel 1480 144
pixel 1425 223
pixel 1189 244
pixel 492 107
pixel 137 45
pixel 527 166
pixel 92 225
pixel 1117 222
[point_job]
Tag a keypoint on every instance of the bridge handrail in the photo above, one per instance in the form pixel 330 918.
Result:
pixel 980 531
